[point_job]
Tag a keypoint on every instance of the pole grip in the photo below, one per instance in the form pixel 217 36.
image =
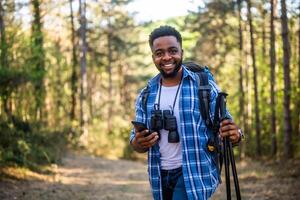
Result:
pixel 223 96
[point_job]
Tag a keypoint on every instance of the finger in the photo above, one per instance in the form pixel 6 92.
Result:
pixel 234 138
pixel 226 121
pixel 152 141
pixel 227 133
pixel 151 136
pixel 141 134
pixel 227 127
pixel 145 140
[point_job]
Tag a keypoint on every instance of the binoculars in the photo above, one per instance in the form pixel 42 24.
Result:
pixel 165 120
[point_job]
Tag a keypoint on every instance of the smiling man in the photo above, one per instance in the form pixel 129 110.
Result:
pixel 174 135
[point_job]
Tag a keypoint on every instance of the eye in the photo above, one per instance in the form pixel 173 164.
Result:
pixel 158 54
pixel 173 51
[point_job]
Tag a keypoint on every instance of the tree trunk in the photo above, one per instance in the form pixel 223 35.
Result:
pixel 120 86
pixel 124 90
pixel 272 77
pixel 91 90
pixel 264 44
pixel 288 152
pixel 110 109
pixel 58 103
pixel 3 57
pixel 74 65
pixel 257 120
pixel 297 126
pixel 83 83
pixel 241 88
pixel 38 58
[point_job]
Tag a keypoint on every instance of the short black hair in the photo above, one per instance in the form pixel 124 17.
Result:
pixel 164 31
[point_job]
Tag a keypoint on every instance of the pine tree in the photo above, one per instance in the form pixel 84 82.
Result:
pixel 272 76
pixel 288 152
pixel 256 101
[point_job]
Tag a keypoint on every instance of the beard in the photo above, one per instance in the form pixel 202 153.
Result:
pixel 173 73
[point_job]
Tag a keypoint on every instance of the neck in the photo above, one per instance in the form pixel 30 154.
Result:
pixel 169 82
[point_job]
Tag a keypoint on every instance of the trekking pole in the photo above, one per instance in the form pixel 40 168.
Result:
pixel 228 154
pixel 234 173
pixel 227 172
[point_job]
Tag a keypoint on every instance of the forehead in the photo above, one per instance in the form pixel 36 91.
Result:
pixel 165 42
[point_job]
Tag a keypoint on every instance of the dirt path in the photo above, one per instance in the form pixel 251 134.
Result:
pixel 87 178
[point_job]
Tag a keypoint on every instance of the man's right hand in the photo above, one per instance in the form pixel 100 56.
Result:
pixel 142 143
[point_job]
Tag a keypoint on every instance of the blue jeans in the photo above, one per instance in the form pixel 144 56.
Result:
pixel 173 184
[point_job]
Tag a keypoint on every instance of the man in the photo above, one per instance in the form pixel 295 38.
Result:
pixel 183 169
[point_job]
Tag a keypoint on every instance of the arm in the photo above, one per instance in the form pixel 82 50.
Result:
pixel 138 141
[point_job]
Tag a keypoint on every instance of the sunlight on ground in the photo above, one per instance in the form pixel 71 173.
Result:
pixel 20 173
pixel 82 177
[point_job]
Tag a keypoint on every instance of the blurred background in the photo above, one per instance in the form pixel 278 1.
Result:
pixel 70 72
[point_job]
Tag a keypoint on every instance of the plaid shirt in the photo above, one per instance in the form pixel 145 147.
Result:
pixel 200 173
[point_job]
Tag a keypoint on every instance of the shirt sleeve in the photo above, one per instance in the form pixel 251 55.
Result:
pixel 139 112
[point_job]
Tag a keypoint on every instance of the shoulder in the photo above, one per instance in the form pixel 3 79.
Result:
pixel 193 70
pixel 153 81
pixel 187 73
pixel 206 70
pixel 207 77
pixel 144 92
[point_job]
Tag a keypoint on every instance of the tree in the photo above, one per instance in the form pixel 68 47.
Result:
pixel 214 30
pixel 257 117
pixel 117 32
pixel 288 152
pixel 109 68
pixel 297 127
pixel 3 56
pixel 297 93
pixel 83 73
pixel 38 58
pixel 263 26
pixel 74 76
pixel 241 88
pixel 272 76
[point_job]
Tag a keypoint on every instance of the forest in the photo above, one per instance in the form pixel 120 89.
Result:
pixel 70 72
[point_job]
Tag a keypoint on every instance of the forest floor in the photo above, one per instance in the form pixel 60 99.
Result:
pixel 83 177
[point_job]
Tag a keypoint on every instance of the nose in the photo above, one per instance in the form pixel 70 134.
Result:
pixel 167 56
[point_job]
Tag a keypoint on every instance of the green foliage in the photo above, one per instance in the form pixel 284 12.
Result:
pixel 25 144
pixel 11 79
pixel 215 25
pixel 128 152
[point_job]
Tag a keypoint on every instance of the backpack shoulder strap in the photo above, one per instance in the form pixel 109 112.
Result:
pixel 204 96
pixel 145 95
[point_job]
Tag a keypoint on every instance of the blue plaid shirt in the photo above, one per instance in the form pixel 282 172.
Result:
pixel 200 172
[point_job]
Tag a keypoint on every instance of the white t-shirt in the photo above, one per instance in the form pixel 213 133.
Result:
pixel 171 156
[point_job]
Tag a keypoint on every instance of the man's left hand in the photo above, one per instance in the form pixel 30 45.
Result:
pixel 229 129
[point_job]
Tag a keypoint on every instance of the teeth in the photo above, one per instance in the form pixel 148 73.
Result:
pixel 168 65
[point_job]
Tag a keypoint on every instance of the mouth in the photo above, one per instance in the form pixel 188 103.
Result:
pixel 168 66
pixel 169 69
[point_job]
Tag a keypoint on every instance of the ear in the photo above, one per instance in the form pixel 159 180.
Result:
pixel 152 56
pixel 182 52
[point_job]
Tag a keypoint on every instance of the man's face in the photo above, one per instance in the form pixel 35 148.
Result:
pixel 167 55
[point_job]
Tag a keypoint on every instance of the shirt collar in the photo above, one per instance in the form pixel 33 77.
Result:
pixel 188 73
